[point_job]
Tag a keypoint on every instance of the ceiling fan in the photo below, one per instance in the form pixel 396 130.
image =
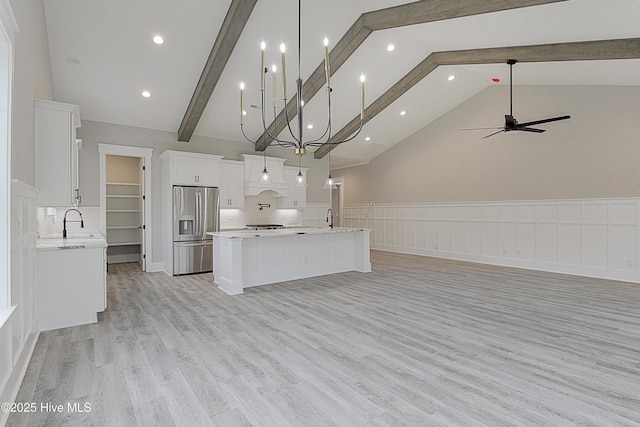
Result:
pixel 510 122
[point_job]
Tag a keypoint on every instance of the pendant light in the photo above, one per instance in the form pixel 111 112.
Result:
pixel 301 181
pixel 329 184
pixel 265 179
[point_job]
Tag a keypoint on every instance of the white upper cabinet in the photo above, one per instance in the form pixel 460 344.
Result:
pixel 191 168
pixel 297 197
pixel 56 153
pixel 231 184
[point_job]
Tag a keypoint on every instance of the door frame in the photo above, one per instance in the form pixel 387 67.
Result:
pixel 145 154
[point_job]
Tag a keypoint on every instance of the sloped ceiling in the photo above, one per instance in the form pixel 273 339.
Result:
pixel 102 57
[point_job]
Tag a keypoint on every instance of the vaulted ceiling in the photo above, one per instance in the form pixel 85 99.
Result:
pixel 103 57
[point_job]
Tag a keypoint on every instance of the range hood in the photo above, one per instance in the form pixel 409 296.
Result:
pixel 253 166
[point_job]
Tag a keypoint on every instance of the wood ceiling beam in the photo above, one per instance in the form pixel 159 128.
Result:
pixel 418 12
pixel 232 27
pixel 576 51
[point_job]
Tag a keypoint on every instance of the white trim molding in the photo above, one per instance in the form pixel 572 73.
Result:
pixel 587 237
pixel 8 19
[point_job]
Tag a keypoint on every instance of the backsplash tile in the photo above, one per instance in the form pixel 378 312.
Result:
pixel 51 225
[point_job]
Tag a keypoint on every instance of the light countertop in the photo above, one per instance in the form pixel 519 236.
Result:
pixel 73 241
pixel 248 234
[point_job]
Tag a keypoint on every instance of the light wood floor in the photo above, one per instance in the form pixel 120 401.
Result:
pixel 418 342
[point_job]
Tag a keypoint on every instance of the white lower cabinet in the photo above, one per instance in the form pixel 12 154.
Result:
pixel 71 286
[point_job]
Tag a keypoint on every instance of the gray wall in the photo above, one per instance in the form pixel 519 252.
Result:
pixel 93 133
pixel 594 154
pixel 32 79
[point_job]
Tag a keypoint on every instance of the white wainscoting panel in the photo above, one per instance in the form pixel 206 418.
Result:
pixel 590 237
pixel 315 215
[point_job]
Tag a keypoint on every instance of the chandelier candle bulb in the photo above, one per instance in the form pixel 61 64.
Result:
pixel 262 47
pixel 326 61
pixel 362 97
pixel 241 103
pixel 273 95
pixel 283 48
pixel 282 121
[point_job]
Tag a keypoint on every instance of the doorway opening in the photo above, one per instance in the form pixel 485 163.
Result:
pixel 336 202
pixel 124 209
pixel 125 203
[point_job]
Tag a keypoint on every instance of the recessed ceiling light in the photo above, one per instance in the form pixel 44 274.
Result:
pixel 451 77
pixel 403 113
pixel 146 93
pixel 368 138
pixel 391 47
pixel 244 112
pixel 158 39
pixel 309 126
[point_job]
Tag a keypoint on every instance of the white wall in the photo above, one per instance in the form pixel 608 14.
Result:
pixel 592 155
pixel 32 79
pixel 565 200
pixel 590 237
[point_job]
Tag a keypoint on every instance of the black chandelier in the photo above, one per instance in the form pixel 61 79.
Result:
pixel 297 141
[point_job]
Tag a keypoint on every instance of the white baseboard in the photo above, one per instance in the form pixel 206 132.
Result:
pixel 155 267
pixel 12 387
pixel 116 259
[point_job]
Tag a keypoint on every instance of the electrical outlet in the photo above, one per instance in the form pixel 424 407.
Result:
pixel 629 263
pixel 436 244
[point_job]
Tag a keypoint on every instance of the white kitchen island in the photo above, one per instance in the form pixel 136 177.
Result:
pixel 246 258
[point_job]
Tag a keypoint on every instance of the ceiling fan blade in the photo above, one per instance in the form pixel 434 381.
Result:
pixel 539 122
pixel 492 127
pixel 525 129
pixel 495 133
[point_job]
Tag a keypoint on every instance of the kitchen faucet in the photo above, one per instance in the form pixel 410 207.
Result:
pixel 64 222
pixel 330 217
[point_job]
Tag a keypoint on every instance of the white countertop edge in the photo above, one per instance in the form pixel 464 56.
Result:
pixel 68 244
pixel 250 234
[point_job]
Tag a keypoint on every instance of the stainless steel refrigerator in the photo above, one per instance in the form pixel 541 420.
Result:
pixel 196 211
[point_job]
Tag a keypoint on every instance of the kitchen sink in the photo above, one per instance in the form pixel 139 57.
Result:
pixel 85 236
